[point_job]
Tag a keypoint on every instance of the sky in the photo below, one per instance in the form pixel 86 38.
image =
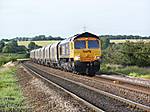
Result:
pixel 65 18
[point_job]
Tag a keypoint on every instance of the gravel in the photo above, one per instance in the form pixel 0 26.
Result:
pixel 106 103
pixel 128 94
pixel 139 81
pixel 42 97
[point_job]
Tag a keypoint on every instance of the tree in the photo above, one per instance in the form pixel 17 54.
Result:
pixel 105 42
pixel 137 53
pixel 2 44
pixel 21 49
pixel 12 47
pixel 5 40
pixel 8 49
pixel 32 46
pixel 128 53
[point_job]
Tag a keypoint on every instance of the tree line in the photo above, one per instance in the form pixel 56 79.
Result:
pixel 116 37
pixel 37 38
pixel 13 47
pixel 43 37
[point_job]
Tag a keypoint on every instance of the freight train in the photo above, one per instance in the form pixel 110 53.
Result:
pixel 79 54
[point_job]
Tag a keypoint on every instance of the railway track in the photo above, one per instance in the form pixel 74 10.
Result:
pixel 145 89
pixel 118 88
pixel 44 78
pixel 97 99
pixel 143 84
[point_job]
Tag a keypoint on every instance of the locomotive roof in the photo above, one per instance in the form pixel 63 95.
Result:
pixel 85 34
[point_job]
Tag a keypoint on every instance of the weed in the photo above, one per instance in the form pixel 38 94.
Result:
pixel 6 57
pixel 134 71
pixel 11 98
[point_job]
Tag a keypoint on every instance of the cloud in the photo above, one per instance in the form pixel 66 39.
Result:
pixel 66 17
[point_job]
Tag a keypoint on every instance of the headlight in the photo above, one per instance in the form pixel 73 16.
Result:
pixel 77 58
pixel 98 57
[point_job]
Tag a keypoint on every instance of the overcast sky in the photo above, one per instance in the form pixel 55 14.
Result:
pixel 65 18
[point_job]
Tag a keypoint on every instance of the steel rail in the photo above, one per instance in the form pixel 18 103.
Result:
pixel 65 90
pixel 120 83
pixel 131 103
pixel 124 81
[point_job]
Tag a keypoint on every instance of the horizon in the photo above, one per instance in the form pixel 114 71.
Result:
pixel 73 35
pixel 70 36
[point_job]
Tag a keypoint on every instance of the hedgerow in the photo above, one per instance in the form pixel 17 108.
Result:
pixel 127 54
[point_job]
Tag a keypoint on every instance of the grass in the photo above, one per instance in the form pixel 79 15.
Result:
pixel 11 98
pixel 40 43
pixel 128 70
pixel 6 57
pixel 131 40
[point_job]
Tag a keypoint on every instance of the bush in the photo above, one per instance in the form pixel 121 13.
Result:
pixel 105 42
pixel 12 47
pixel 2 44
pixel 32 46
pixel 4 58
pixel 128 54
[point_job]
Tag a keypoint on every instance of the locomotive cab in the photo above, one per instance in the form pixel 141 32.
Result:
pixel 80 53
pixel 87 55
pixel 87 49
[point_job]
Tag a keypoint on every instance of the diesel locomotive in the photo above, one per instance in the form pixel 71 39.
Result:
pixel 80 54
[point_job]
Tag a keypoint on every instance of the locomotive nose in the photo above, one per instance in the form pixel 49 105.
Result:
pixel 87 55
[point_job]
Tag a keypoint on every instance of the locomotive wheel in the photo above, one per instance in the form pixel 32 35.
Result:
pixel 90 72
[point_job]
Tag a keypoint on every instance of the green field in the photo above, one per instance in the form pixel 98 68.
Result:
pixel 11 97
pixel 6 57
pixel 40 43
pixel 131 40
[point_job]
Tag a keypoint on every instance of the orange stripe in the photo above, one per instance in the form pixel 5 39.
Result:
pixel 87 38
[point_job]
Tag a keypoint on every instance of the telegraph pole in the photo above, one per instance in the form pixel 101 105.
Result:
pixel 84 28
